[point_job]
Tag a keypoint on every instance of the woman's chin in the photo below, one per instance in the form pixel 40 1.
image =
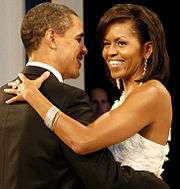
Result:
pixel 115 76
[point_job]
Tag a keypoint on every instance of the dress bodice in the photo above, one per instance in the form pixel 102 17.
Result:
pixel 139 152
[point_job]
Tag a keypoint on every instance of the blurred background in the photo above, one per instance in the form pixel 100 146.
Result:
pixel 93 73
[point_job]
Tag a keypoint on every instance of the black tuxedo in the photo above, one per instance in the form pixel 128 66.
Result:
pixel 33 157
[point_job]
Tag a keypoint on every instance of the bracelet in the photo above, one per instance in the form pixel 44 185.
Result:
pixel 50 115
pixel 58 115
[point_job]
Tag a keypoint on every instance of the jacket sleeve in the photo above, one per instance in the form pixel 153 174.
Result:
pixel 96 170
pixel 78 107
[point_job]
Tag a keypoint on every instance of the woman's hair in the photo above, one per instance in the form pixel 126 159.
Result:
pixel 42 17
pixel 149 28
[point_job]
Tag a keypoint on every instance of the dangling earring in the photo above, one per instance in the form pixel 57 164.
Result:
pixel 118 83
pixel 145 67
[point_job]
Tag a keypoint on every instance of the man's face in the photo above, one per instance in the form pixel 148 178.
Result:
pixel 99 101
pixel 70 50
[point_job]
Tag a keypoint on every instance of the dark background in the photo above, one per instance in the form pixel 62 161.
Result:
pixel 95 73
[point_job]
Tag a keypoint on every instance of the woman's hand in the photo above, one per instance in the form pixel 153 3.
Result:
pixel 22 89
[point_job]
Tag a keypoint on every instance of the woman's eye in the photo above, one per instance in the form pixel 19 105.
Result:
pixel 116 43
pixel 106 44
pixel 121 43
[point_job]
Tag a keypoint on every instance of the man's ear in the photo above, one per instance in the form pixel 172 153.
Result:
pixel 148 50
pixel 50 36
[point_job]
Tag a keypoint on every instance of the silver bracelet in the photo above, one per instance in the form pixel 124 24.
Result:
pixel 50 115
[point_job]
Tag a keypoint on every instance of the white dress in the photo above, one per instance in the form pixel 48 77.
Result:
pixel 139 152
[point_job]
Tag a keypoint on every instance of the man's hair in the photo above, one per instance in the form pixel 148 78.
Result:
pixel 42 17
pixel 149 28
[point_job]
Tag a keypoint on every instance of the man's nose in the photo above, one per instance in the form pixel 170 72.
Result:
pixel 84 50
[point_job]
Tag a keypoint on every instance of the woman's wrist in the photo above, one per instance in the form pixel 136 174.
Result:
pixel 51 117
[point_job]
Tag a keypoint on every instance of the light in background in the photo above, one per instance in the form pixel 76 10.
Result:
pixel 11 47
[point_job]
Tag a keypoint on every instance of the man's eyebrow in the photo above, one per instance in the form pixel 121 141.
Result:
pixel 80 35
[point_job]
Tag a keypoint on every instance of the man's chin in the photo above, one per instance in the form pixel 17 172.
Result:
pixel 71 76
pixel 74 76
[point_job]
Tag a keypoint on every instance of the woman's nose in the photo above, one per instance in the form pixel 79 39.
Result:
pixel 112 50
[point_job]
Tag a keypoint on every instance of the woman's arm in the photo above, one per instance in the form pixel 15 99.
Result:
pixel 112 127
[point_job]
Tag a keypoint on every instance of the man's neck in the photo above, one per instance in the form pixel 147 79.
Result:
pixel 43 54
pixel 47 67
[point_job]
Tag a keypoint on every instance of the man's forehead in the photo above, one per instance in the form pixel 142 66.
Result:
pixel 76 20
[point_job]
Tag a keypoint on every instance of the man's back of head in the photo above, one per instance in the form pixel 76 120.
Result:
pixel 42 17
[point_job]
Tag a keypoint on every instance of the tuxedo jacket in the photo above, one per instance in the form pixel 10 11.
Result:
pixel 33 157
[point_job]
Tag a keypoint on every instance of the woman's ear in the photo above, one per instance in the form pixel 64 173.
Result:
pixel 50 36
pixel 148 50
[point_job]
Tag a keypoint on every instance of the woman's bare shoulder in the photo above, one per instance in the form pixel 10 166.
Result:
pixel 155 88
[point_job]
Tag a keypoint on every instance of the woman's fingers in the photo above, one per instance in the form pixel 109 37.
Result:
pixel 22 77
pixel 13 99
pixel 18 92
pixel 21 88
pixel 37 81
pixel 43 77
pixel 14 84
pixel 11 91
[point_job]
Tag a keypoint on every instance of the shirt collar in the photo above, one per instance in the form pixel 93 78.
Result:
pixel 47 67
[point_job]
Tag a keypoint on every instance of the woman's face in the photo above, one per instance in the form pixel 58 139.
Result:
pixel 122 51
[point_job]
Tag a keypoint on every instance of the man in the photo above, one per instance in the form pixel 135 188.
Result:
pixel 31 156
pixel 99 101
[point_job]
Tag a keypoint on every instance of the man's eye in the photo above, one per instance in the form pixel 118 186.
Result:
pixel 79 40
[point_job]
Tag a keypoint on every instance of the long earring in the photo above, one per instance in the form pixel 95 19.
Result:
pixel 118 83
pixel 145 67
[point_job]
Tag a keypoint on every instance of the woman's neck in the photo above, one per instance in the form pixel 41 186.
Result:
pixel 129 86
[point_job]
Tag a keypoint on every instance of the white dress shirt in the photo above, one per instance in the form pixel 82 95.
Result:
pixel 47 67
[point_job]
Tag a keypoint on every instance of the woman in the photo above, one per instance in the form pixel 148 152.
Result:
pixel 138 125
